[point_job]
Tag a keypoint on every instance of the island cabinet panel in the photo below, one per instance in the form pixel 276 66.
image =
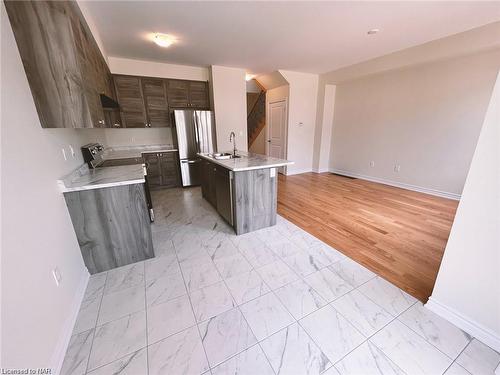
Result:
pixel 130 97
pixel 112 226
pixel 255 199
pixel 208 182
pixel 155 98
pixel 65 69
pixel 224 193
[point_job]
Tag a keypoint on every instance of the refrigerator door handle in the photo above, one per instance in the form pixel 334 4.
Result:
pixel 196 131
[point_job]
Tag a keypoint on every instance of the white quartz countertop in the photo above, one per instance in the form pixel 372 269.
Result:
pixel 86 179
pixel 125 152
pixel 248 161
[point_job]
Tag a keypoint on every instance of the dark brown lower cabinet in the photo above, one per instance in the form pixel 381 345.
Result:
pixel 162 168
pixel 224 193
pixel 112 226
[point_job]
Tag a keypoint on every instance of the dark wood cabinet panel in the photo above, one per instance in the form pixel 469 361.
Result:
pixel 162 168
pixel 152 162
pixel 130 97
pixel 178 93
pixel 64 66
pixel 155 98
pixel 224 194
pixel 198 95
pixel 112 226
pixel 169 169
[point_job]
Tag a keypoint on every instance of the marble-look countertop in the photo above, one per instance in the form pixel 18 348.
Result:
pixel 85 178
pixel 248 161
pixel 125 152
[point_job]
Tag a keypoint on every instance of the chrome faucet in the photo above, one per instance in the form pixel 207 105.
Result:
pixel 232 138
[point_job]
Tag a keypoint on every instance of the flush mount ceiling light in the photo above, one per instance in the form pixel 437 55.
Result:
pixel 163 40
pixel 373 31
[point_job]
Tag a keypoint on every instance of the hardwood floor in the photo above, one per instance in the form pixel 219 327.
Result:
pixel 396 233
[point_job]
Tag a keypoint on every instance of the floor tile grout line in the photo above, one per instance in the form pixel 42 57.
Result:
pixel 249 327
pixel 427 341
pixel 455 360
pixel 95 325
pixel 146 314
pixel 192 310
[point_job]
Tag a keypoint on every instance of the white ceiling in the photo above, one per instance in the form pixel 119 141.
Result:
pixel 262 37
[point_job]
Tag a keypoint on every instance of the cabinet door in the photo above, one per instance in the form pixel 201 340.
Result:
pixel 130 98
pixel 44 37
pixel 198 95
pixel 205 165
pixel 152 162
pixel 212 186
pixel 155 98
pixel 169 169
pixel 178 93
pixel 224 194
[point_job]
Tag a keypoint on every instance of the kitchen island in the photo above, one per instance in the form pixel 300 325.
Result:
pixel 243 189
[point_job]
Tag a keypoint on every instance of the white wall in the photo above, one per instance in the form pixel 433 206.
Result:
pixel 228 87
pixel 301 119
pixel 37 234
pixel 324 130
pixel 138 137
pixel 425 118
pixel 119 65
pixel 467 289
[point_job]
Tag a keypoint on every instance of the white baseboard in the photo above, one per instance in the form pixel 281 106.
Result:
pixel 480 332
pixel 297 171
pixel 320 170
pixel 402 185
pixel 62 345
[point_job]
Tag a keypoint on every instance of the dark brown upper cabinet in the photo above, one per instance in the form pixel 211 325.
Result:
pixel 178 93
pixel 64 66
pixel 188 94
pixel 155 98
pixel 198 95
pixel 130 97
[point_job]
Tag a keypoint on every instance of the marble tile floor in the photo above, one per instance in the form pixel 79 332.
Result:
pixel 275 301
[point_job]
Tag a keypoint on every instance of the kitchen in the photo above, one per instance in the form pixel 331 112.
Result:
pixel 149 238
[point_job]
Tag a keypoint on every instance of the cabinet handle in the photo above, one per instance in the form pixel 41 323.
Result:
pixel 101 122
pixel 116 125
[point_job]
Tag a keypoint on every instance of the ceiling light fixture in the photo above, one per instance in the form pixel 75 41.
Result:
pixel 163 40
pixel 249 77
pixel 373 31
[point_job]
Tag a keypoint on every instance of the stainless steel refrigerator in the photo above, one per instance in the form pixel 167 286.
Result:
pixel 195 132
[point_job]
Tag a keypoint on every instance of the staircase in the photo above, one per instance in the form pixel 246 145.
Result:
pixel 256 119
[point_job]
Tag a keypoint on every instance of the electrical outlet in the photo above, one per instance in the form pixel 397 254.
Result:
pixel 397 168
pixel 372 163
pixel 57 276
pixel 64 154
pixel 72 150
pixel 132 140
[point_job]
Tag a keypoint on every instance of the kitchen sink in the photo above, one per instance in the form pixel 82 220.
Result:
pixel 225 155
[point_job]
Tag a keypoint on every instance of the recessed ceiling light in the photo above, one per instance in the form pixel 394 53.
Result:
pixel 163 40
pixel 373 31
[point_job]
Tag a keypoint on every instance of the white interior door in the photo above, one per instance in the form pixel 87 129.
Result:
pixel 277 129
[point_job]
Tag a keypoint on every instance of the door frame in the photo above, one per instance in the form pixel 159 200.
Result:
pixel 268 127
